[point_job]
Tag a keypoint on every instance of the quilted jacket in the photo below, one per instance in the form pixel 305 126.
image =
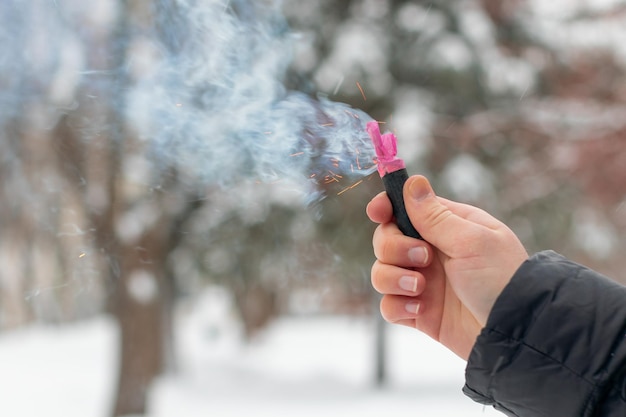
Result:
pixel 554 344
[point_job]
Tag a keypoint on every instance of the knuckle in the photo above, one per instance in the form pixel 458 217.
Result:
pixel 384 245
pixel 376 276
pixel 376 241
pixel 387 250
pixel 437 216
pixel 386 310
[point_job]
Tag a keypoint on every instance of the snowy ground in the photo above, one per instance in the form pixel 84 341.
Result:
pixel 307 366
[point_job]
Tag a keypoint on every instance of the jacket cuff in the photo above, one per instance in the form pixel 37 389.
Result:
pixel 540 353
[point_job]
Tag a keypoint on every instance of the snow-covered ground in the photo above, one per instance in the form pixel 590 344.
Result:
pixel 300 366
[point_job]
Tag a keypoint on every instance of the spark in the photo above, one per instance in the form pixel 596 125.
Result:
pixel 524 92
pixel 97 72
pixel 274 182
pixel 356 116
pixel 297 154
pixel 350 187
pixel 430 6
pixel 72 230
pixel 82 255
pixel 332 177
pixel 327 125
pixel 339 84
pixel 357 153
pixel 361 90
pixel 29 295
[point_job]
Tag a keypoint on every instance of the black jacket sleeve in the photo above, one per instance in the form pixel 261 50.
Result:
pixel 554 344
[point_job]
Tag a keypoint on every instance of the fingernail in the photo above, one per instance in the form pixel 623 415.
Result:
pixel 412 307
pixel 419 189
pixel 418 255
pixel 408 283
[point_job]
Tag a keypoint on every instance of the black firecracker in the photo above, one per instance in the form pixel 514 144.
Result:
pixel 394 184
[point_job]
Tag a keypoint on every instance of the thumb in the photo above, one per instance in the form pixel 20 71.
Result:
pixel 435 222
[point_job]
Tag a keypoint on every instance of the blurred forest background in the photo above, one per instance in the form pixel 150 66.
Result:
pixel 515 106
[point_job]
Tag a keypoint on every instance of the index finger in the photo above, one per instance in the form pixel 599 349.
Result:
pixel 379 210
pixel 392 247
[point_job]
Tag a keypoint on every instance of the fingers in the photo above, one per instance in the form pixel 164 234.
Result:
pixel 422 312
pixel 379 209
pixel 392 247
pixel 400 310
pixel 390 279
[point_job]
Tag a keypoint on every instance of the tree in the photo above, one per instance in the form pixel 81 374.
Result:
pixel 121 129
pixel 126 210
pixel 134 208
pixel 122 194
pixel 498 107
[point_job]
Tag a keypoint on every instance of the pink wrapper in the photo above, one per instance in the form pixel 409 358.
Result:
pixel 386 148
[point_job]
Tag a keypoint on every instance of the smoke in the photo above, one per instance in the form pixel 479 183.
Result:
pixel 202 85
pixel 216 104
pixel 26 60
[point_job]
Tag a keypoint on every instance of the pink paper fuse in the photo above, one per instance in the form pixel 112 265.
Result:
pixel 393 172
pixel 386 148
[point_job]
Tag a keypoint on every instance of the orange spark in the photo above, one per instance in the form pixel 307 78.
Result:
pixel 350 187
pixel 334 175
pixel 297 154
pixel 361 90
pixel 356 116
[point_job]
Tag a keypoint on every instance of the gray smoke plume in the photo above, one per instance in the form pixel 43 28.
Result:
pixel 204 88
pixel 216 102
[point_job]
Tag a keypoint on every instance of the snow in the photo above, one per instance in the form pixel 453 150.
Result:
pixel 58 371
pixel 300 366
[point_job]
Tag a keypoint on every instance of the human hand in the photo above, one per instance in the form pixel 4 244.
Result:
pixel 444 286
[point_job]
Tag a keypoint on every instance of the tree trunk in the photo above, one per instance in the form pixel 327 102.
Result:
pixel 380 344
pixel 257 306
pixel 139 308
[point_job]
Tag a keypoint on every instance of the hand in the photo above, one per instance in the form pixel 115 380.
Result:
pixel 444 286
